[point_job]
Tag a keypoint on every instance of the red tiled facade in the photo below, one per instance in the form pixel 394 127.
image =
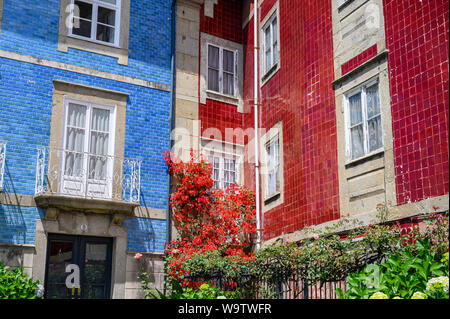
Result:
pixel 359 59
pixel 301 95
pixel 418 45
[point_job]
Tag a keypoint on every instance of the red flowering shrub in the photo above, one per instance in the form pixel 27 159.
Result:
pixel 207 220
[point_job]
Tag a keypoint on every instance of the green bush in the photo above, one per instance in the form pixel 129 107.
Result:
pixel 14 284
pixel 410 273
pixel 205 291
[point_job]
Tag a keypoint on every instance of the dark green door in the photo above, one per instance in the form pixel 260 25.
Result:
pixel 91 255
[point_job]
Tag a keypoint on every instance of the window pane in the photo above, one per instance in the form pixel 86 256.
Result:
pixel 60 252
pixel 81 27
pixel 268 59
pixel 105 33
pixel 84 10
pixel 100 120
pixel 276 145
pixel 274 31
pixel 277 179
pixel 228 61
pixel 373 101
pixel 95 273
pixel 271 183
pixel 268 49
pixel 76 115
pixel 96 252
pixel 99 143
pixel 109 1
pixel 375 135
pixel 357 141
pixel 106 16
pixel 98 164
pixel 213 57
pixel 228 83
pixel 355 109
pixel 275 53
pixel 213 80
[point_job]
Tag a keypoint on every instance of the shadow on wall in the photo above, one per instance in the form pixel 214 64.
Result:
pixel 141 232
pixel 17 223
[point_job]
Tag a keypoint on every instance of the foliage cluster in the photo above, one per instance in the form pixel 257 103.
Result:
pixel 15 284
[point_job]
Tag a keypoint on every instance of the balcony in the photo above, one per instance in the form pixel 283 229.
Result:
pixel 2 162
pixel 68 179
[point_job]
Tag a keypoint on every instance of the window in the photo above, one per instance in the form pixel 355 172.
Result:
pixel 88 149
pixel 273 166
pixel 222 70
pixel 270 44
pixel 96 20
pixel 224 171
pixel 364 133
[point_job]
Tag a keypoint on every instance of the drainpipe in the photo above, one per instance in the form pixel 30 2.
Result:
pixel 255 75
pixel 172 126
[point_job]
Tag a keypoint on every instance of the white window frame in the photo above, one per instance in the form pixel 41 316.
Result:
pixel 221 71
pixel 94 22
pixel 216 148
pixel 111 143
pixel 361 89
pixel 222 157
pixel 269 24
pixel 277 166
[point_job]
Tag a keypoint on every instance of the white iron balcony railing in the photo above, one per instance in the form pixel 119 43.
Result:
pixel 2 162
pixel 87 175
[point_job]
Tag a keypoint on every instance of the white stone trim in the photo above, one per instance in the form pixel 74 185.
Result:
pixel 118 50
pixel 277 129
pixel 237 100
pixel 83 70
pixel 266 76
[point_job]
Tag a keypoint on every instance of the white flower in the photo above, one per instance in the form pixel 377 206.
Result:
pixel 438 283
pixel 39 291
pixel 419 295
pixel 379 295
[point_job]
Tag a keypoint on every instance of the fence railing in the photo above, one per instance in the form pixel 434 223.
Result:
pixel 87 175
pixel 284 284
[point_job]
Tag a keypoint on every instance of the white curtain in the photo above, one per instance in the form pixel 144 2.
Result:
pixel 374 116
pixel 213 68
pixel 229 172
pixel 275 41
pixel 76 130
pixel 271 168
pixel 375 136
pixel 228 72
pixel 99 144
pixel 277 164
pixel 268 48
pixel 356 131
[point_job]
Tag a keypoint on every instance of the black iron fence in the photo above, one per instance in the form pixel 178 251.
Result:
pixel 284 284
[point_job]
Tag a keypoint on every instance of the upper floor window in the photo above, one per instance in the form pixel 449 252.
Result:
pixel 96 20
pixel 270 43
pixel 88 149
pixel 222 70
pixel 273 166
pixel 363 113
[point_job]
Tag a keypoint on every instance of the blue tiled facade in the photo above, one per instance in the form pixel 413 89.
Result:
pixel 30 28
